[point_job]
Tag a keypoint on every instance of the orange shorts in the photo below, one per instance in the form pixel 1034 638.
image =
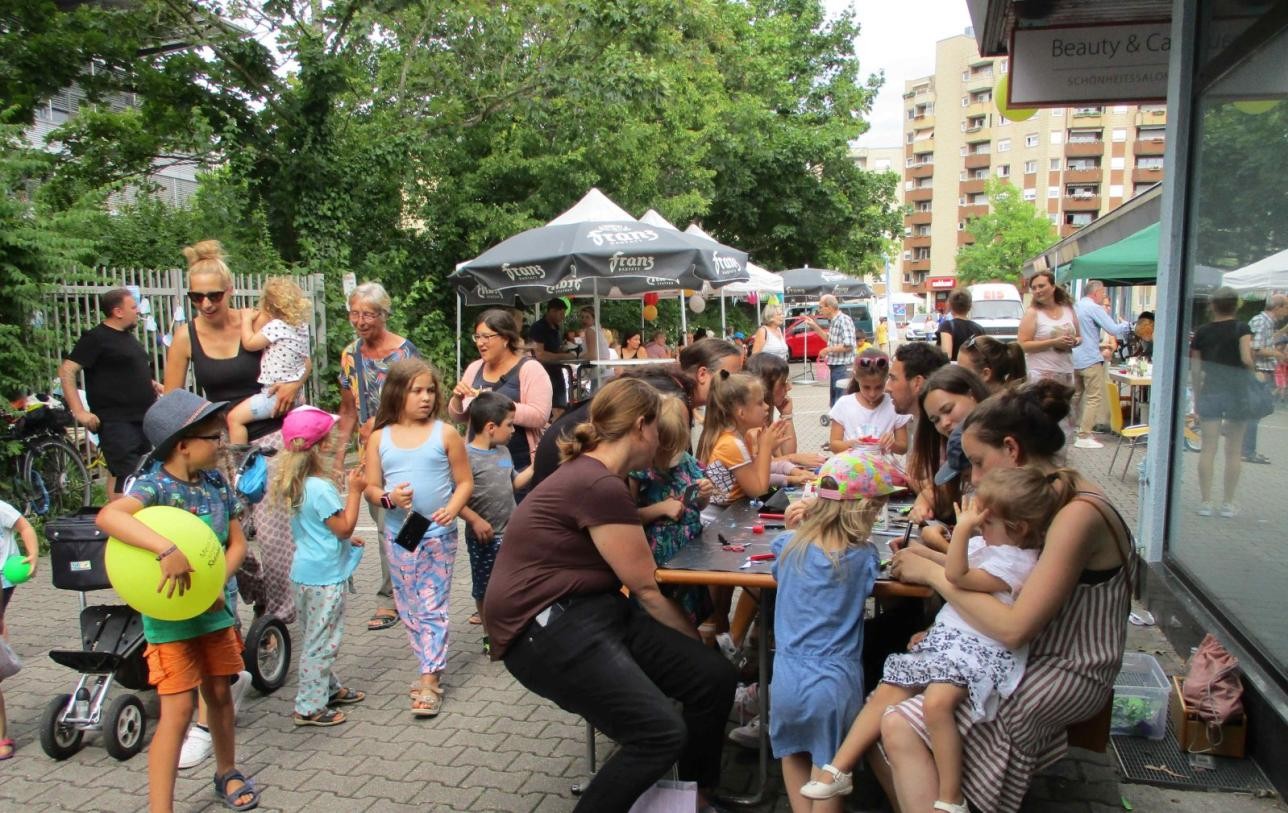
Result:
pixel 179 666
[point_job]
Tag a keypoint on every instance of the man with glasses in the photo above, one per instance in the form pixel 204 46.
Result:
pixel 118 384
pixel 364 364
pixel 839 352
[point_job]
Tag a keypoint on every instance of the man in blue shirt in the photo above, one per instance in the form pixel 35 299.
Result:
pixel 546 336
pixel 1088 363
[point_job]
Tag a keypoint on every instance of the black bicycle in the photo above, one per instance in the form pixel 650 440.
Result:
pixel 50 478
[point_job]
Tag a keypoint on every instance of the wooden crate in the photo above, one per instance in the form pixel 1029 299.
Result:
pixel 1192 733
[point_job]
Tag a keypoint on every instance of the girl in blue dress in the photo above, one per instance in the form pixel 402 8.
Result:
pixel 826 569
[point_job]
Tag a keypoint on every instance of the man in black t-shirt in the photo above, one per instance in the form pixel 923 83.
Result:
pixel 547 336
pixel 118 385
pixel 958 329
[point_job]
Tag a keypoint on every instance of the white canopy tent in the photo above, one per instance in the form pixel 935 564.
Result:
pixel 1268 273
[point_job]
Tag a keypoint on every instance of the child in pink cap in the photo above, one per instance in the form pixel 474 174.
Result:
pixel 826 569
pixel 325 558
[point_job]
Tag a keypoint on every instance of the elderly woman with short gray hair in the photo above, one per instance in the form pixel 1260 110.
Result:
pixel 364 363
pixel 769 336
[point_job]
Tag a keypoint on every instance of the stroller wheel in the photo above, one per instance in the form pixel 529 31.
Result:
pixel 124 727
pixel 268 653
pixel 59 741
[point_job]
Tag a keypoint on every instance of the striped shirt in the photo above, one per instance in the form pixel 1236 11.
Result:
pixel 1069 678
pixel 841 332
pixel 1263 338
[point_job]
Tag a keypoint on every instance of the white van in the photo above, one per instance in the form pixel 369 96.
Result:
pixel 998 308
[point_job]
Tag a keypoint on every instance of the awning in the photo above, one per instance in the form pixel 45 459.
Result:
pixel 1132 259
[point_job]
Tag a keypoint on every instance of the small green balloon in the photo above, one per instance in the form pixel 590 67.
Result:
pixel 16 570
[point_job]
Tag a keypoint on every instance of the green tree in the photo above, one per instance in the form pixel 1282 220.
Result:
pixel 1012 232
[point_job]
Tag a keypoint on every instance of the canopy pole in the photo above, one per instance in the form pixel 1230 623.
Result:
pixel 684 322
pixel 458 335
pixel 600 352
pixel 724 326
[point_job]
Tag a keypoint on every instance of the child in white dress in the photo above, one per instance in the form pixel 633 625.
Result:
pixel 865 415
pixel 953 664
pixel 280 327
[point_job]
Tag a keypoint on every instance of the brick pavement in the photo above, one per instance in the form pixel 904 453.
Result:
pixel 495 747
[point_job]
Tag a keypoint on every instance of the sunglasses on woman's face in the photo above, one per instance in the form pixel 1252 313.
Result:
pixel 215 297
pixel 874 363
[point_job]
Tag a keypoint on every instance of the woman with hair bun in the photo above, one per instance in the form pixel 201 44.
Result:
pixel 1072 614
pixel 556 615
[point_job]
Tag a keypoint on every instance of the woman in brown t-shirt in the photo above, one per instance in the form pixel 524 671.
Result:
pixel 556 615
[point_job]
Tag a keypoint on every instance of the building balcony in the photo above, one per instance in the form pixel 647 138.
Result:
pixel 964 238
pixel 1151 147
pixel 1084 149
pixel 1083 175
pixel 914 287
pixel 972 187
pixel 919 195
pixel 977 161
pixel 1151 117
pixel 1066 230
pixel 920 171
pixel 917 219
pixel 978 109
pixel 911 266
pixel 1090 203
pixel 1089 118
pixel 917 241
pixel 972 210
pixel 1139 176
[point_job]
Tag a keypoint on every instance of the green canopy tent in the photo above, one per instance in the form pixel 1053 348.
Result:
pixel 1132 260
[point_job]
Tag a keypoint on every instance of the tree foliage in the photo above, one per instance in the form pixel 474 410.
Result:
pixel 393 139
pixel 1011 232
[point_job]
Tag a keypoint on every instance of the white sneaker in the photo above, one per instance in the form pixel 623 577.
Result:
pixel 239 689
pixel 748 736
pixel 952 807
pixel 196 747
pixel 725 642
pixel 1228 510
pixel 841 785
pixel 1088 443
pixel 1205 509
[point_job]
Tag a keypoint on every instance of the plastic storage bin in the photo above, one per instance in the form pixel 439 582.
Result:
pixel 1141 694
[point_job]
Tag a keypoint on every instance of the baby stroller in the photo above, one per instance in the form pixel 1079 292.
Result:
pixel 112 646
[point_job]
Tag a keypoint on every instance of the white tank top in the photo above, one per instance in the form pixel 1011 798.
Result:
pixel 774 344
pixel 1052 360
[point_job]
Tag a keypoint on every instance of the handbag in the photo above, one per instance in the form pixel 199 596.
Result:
pixel 667 796
pixel 1212 688
pixel 822 372
pixel 1260 402
pixel 10 663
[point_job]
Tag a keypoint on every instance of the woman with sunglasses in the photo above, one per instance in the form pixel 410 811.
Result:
pixel 224 370
pixel 866 412
pixel 500 368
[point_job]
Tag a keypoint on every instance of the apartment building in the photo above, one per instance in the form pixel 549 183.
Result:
pixel 1075 164
pixel 884 159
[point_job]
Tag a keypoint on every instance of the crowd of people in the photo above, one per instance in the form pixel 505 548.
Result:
pixel 565 502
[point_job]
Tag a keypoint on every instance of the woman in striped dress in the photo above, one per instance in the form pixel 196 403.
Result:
pixel 1072 613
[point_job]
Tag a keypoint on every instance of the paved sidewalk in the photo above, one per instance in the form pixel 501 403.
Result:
pixel 495 746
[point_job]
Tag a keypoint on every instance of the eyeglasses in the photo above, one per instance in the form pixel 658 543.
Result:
pixel 365 316
pixel 215 438
pixel 215 297
pixel 873 362
pixel 479 338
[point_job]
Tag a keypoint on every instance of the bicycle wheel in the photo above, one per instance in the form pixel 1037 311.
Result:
pixel 56 478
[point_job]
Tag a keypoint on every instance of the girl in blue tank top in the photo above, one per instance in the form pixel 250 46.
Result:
pixel 417 463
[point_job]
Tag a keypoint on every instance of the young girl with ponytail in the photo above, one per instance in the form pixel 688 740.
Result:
pixel 734 426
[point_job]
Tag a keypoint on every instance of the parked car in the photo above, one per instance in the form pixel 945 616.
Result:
pixel 801 338
pixel 921 330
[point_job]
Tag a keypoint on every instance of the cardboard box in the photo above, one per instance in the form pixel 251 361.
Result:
pixel 1192 733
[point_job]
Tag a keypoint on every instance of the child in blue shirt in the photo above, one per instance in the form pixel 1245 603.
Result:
pixel 186 432
pixel 325 558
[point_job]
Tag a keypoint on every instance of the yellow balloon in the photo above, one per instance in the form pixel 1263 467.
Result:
pixel 1255 107
pixel 999 98
pixel 135 572
pixel 650 313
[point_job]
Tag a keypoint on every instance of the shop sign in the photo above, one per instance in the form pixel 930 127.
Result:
pixel 941 283
pixel 1090 64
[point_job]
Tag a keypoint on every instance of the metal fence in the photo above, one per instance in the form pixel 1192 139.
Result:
pixel 73 308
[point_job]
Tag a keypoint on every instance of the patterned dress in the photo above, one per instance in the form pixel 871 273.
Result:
pixel 666 536
pixel 1069 678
